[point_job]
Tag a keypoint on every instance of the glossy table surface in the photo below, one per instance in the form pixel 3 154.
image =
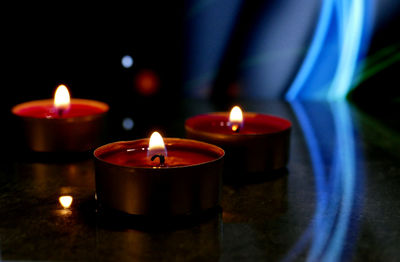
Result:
pixel 338 200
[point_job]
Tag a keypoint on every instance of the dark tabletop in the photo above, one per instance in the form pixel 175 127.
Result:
pixel 338 200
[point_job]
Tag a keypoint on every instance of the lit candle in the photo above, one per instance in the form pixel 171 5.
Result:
pixel 236 119
pixel 61 124
pixel 253 142
pixel 157 148
pixel 159 176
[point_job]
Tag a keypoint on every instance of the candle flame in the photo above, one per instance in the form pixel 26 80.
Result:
pixel 61 98
pixel 65 201
pixel 236 118
pixel 156 145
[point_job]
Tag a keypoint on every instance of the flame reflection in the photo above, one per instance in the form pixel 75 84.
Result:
pixel 65 201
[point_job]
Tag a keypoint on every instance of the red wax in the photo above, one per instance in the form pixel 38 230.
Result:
pixel 46 109
pixel 253 124
pixel 180 152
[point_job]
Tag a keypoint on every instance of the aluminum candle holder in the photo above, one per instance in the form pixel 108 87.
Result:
pixel 259 144
pixel 130 180
pixel 78 130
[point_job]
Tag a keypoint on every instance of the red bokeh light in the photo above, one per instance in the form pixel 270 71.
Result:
pixel 147 82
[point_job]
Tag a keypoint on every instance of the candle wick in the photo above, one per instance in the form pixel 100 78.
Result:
pixel 60 112
pixel 161 157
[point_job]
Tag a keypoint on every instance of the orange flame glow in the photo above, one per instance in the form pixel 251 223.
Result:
pixel 62 98
pixel 236 118
pixel 156 145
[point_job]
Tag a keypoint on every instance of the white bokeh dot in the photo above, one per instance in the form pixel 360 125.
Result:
pixel 127 61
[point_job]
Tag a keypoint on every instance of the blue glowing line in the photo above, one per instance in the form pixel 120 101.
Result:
pixel 340 14
pixel 348 33
pixel 350 47
pixel 323 221
pixel 321 187
pixel 335 192
pixel 347 173
pixel 314 50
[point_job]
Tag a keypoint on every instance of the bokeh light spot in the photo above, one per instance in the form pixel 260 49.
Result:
pixel 147 82
pixel 127 123
pixel 127 61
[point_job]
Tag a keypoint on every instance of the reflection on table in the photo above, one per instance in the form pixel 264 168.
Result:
pixel 335 201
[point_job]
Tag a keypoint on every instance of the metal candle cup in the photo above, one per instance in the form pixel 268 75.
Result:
pixel 261 144
pixel 78 130
pixel 189 182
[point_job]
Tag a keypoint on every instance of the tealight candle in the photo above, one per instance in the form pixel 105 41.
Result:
pixel 61 124
pixel 159 176
pixel 253 142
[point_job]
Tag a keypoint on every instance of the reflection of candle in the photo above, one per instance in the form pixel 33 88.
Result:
pixel 183 239
pixel 62 124
pixel 65 201
pixel 253 142
pixel 137 179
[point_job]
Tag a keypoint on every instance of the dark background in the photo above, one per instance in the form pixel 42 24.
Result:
pixel 82 46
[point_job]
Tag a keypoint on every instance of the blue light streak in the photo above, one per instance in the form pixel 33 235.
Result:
pixel 313 51
pixel 346 172
pixel 342 31
pixel 351 27
pixel 335 183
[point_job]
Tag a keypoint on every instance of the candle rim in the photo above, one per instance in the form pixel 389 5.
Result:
pixel 190 126
pixel 50 102
pixel 96 153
